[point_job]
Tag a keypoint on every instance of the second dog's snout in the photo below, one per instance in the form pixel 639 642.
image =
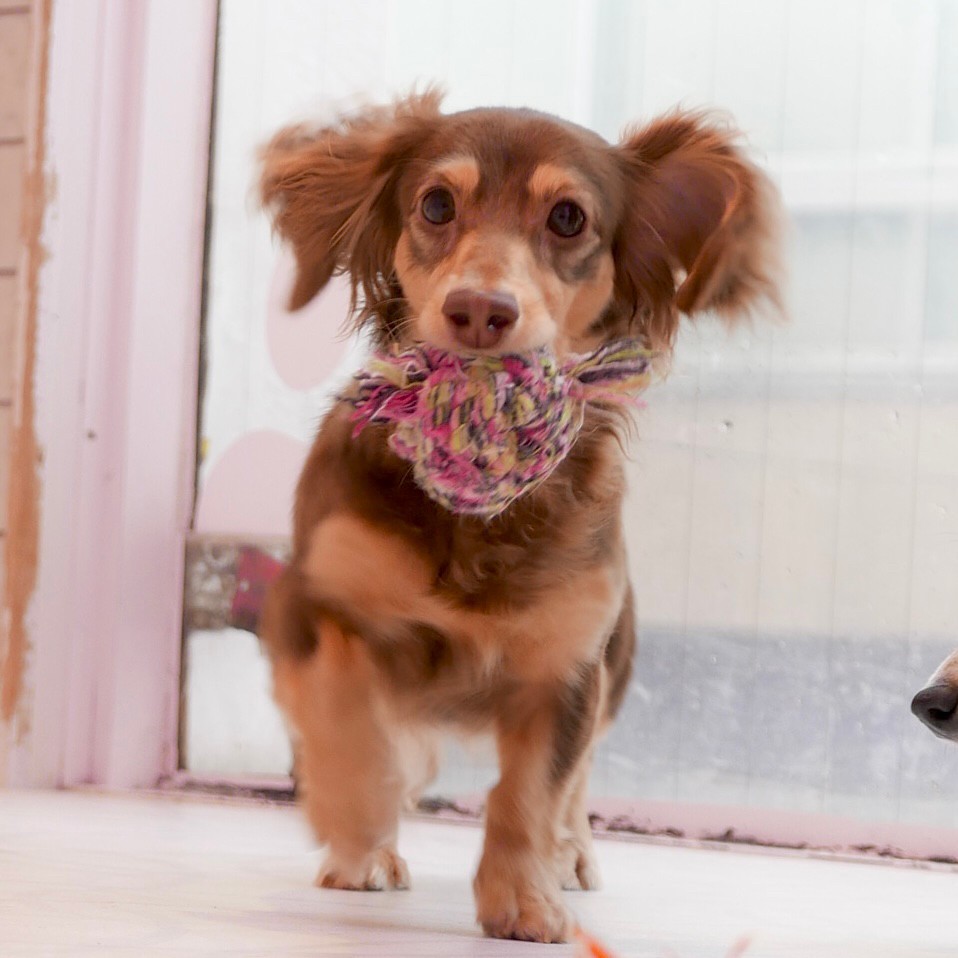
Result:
pixel 479 319
pixel 937 706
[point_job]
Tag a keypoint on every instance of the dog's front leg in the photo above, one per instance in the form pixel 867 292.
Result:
pixel 352 784
pixel 543 734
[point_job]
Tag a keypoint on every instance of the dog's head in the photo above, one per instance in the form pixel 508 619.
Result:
pixel 506 230
pixel 937 703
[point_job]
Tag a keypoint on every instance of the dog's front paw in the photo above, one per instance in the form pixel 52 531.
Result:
pixel 526 908
pixel 381 869
pixel 578 868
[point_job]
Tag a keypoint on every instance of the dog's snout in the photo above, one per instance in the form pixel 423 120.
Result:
pixel 937 707
pixel 479 320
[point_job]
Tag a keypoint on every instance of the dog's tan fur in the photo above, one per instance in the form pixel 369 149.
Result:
pixel 396 618
pixel 948 673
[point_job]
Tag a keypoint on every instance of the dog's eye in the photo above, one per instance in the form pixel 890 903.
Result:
pixel 438 206
pixel 566 219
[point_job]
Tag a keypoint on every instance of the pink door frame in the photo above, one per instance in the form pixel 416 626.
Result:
pixel 129 96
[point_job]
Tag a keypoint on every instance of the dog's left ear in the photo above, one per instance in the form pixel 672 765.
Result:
pixel 701 226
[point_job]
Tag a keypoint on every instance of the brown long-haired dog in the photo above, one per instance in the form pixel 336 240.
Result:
pixel 501 230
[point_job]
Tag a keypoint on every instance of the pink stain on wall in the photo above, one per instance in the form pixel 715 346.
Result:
pixel 249 490
pixel 306 346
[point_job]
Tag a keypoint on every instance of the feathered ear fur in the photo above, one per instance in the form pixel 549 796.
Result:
pixel 701 228
pixel 331 194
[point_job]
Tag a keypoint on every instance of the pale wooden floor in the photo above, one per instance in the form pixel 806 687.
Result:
pixel 84 874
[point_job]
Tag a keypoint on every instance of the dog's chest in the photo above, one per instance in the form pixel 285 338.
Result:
pixel 393 591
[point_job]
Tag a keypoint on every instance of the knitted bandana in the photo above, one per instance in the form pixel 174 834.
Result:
pixel 480 431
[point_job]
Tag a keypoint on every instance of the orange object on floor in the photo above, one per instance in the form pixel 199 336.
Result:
pixel 590 947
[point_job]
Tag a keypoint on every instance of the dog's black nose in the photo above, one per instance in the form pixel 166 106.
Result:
pixel 937 707
pixel 479 320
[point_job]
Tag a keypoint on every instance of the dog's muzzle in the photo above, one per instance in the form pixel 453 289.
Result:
pixel 937 706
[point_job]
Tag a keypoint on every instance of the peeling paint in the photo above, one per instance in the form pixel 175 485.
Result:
pixel 23 498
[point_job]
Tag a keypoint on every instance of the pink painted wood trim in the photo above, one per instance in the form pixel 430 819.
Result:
pixel 739 826
pixel 163 366
pixel 128 140
pixel 36 755
pixel 813 831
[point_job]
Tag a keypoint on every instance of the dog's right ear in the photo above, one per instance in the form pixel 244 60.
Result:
pixel 330 193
